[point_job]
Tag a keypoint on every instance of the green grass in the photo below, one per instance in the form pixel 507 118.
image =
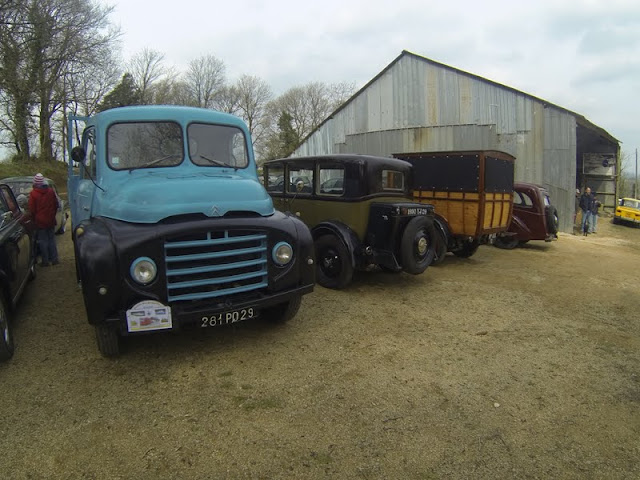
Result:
pixel 57 171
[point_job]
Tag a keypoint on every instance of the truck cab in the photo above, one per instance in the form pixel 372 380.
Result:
pixel 171 225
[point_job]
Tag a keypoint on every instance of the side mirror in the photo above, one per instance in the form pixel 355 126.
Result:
pixel 78 155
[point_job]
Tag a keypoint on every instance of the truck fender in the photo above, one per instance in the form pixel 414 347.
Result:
pixel 442 227
pixel 343 232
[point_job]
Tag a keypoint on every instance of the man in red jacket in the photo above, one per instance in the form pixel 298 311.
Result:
pixel 43 205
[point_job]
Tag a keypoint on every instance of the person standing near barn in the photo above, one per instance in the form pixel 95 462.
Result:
pixel 594 213
pixel 43 205
pixel 587 206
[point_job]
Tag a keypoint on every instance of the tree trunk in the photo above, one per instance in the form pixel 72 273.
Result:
pixel 21 121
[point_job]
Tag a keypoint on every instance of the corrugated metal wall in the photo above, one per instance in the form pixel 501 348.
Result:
pixel 417 106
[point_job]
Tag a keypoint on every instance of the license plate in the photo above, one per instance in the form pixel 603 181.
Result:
pixel 226 318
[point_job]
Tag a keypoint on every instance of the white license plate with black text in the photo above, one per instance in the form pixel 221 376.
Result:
pixel 225 318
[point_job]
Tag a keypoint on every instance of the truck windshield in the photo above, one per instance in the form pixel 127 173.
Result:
pixel 217 145
pixel 144 145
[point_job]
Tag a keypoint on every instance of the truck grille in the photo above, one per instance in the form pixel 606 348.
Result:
pixel 215 264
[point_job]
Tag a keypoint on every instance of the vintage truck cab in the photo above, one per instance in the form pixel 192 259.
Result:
pixel 171 225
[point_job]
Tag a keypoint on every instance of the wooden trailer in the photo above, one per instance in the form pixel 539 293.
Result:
pixel 472 194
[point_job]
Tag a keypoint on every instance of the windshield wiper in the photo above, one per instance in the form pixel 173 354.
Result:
pixel 215 162
pixel 158 160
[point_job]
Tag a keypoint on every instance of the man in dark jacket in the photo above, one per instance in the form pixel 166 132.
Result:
pixel 587 206
pixel 43 205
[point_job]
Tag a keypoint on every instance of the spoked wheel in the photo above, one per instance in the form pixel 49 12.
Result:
pixel 507 242
pixel 334 267
pixel 6 336
pixel 418 245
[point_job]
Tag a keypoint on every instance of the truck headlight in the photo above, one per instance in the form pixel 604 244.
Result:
pixel 282 253
pixel 143 270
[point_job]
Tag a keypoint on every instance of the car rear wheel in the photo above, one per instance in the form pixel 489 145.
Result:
pixel 283 312
pixel 108 341
pixel 418 245
pixel 6 336
pixel 508 242
pixel 334 267
pixel 552 220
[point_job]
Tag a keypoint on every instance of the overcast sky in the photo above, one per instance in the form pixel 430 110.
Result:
pixel 581 55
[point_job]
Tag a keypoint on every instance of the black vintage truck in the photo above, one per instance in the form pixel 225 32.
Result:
pixel 172 227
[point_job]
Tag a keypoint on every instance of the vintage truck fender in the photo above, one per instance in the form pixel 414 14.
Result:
pixel 344 233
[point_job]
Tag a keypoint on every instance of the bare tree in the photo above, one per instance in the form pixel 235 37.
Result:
pixel 146 67
pixel 205 78
pixel 228 100
pixel 253 96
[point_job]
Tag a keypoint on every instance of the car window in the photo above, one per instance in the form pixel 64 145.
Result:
pixel 3 204
pixel 9 199
pixel 392 180
pixel 526 200
pixel 297 175
pixel 275 178
pixel 547 201
pixel 331 181
pixel 217 146
pixel 517 199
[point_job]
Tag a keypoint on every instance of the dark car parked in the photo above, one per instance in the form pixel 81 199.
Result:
pixel 534 217
pixel 360 212
pixel 22 187
pixel 17 263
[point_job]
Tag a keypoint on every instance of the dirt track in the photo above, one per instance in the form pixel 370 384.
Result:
pixel 511 364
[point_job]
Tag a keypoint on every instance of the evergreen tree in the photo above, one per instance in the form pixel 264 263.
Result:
pixel 125 93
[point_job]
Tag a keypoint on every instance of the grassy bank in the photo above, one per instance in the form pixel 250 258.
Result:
pixel 57 171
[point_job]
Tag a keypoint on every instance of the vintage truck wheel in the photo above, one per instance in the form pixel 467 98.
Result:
pixel 108 341
pixel 418 245
pixel 283 312
pixel 6 336
pixel 468 249
pixel 440 248
pixel 507 242
pixel 334 267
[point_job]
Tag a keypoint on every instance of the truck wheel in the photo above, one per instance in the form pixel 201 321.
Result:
pixel 440 248
pixel 108 341
pixel 417 247
pixel 507 242
pixel 6 336
pixel 467 249
pixel 334 268
pixel 283 312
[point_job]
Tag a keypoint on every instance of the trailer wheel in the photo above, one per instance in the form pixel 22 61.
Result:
pixel 6 336
pixel 334 267
pixel 283 312
pixel 468 249
pixel 418 245
pixel 508 242
pixel 440 247
pixel 108 341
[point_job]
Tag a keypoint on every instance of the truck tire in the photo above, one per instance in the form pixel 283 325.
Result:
pixel 108 341
pixel 283 312
pixel 6 336
pixel 440 248
pixel 417 247
pixel 468 249
pixel 334 267
pixel 508 242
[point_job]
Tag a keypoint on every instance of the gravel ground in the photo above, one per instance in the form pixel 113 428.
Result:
pixel 510 364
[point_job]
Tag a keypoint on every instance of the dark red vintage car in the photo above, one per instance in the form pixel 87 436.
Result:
pixel 534 218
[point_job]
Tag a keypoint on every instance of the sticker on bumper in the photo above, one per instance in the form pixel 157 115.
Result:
pixel 149 315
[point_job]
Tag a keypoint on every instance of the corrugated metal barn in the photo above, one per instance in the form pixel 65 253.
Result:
pixel 418 105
